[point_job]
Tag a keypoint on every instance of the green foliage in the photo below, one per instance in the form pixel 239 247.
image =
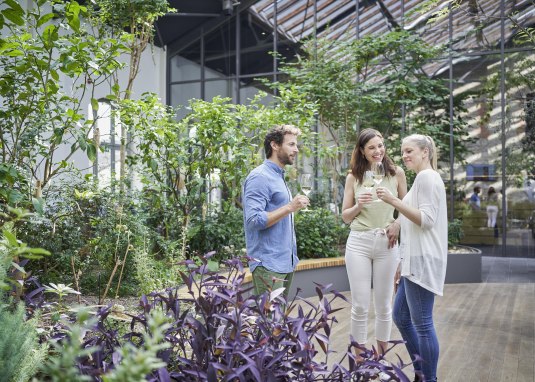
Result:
pixel 131 14
pixel 379 82
pixel 221 232
pixel 319 234
pixel 455 232
pixel 61 290
pixel 20 352
pixel 12 250
pixel 38 111
pixel 90 230
pixel 137 362
pixel 61 364
pixel 215 145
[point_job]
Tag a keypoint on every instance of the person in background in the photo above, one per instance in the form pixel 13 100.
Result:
pixel 268 209
pixel 475 200
pixel 372 249
pixel 492 207
pixel 424 253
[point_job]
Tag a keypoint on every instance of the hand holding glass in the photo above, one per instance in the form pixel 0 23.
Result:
pixel 378 171
pixel 305 180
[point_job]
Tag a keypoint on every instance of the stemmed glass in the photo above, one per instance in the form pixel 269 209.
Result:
pixel 305 180
pixel 367 180
pixel 378 171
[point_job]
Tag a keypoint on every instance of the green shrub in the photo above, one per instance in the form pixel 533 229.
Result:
pixel 221 232
pixel 319 234
pixel 455 232
pixel 89 231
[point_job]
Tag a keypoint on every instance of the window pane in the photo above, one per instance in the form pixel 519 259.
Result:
pixel 181 94
pixel 183 69
pixel 219 88
pixel 220 47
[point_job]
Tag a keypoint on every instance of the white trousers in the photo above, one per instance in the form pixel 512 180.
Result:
pixel 368 258
pixel 492 214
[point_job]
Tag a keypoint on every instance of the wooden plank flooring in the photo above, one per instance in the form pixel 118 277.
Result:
pixel 486 332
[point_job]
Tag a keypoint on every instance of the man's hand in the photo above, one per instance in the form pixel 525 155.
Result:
pixel 299 202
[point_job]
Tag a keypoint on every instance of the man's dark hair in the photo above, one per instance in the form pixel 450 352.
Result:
pixel 477 189
pixel 276 134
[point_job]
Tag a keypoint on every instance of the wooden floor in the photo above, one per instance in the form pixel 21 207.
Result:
pixel 486 332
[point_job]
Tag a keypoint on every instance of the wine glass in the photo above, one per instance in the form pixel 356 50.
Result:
pixel 305 180
pixel 368 181
pixel 378 171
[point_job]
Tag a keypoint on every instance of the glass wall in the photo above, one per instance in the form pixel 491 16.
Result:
pixel 492 80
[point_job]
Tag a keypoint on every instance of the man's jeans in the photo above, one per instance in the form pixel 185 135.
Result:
pixel 265 280
pixel 413 315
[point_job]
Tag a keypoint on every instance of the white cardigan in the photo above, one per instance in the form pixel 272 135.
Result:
pixel 424 248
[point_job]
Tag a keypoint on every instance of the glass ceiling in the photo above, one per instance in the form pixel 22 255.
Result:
pixel 476 24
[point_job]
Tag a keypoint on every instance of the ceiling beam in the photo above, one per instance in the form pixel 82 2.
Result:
pixel 176 45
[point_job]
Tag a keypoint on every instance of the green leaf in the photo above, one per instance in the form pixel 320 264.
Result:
pixel 94 104
pixel 14 53
pixel 91 152
pixel 37 251
pixel 14 6
pixel 73 13
pixel 54 74
pixel 13 16
pixel 38 204
pixel 18 267
pixel 83 144
pixel 44 19
pixel 50 34
pixel 11 238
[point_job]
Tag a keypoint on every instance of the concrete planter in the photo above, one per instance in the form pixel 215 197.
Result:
pixel 464 265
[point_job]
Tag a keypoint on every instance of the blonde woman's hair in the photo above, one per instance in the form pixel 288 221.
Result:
pixel 425 142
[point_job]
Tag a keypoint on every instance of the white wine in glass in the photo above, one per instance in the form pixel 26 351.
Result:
pixel 367 181
pixel 378 174
pixel 305 180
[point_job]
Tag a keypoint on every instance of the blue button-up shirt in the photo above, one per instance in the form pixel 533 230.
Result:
pixel 272 247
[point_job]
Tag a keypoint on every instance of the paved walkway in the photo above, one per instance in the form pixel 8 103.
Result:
pixel 486 330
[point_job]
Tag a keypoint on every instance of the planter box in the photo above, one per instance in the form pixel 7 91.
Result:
pixel 464 266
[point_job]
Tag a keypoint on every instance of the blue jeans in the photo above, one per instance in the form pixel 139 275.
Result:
pixel 413 316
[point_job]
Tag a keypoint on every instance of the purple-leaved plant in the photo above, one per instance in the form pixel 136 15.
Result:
pixel 220 331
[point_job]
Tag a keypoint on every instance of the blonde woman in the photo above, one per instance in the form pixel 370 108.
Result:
pixel 424 251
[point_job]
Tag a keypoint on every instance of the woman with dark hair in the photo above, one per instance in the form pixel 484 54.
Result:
pixel 371 250
pixel 424 253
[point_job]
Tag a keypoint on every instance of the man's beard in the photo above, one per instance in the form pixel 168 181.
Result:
pixel 285 159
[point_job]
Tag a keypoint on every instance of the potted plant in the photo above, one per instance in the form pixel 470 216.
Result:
pixel 464 263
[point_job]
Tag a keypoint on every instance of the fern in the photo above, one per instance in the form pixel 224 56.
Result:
pixel 20 352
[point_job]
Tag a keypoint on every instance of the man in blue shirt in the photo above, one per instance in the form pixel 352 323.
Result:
pixel 268 209
pixel 475 201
